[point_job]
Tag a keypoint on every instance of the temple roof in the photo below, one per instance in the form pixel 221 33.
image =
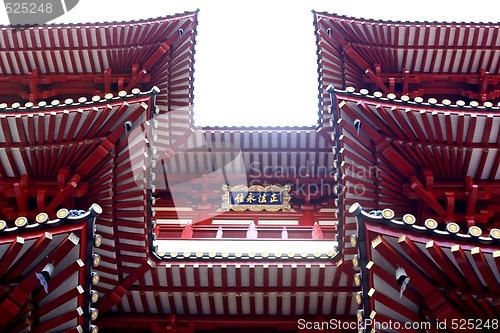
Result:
pixel 409 58
pixel 423 158
pixel 89 158
pixel 430 160
pixel 452 275
pixel 59 61
pixel 26 250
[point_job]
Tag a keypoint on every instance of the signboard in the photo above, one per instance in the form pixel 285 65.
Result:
pixel 256 198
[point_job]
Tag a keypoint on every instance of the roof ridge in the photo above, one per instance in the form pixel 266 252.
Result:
pixel 117 22
pixel 391 22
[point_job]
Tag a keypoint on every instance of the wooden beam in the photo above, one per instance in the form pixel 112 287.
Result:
pixel 120 290
pixel 395 159
pixel 377 80
pixel 465 266
pixel 419 281
pixel 211 322
pixel 23 262
pixel 95 157
pixel 427 197
pixel 428 266
pixel 20 294
pixel 12 252
pixel 64 193
pixel 485 270
pixel 148 64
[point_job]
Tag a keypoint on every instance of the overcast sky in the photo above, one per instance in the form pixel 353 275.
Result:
pixel 255 61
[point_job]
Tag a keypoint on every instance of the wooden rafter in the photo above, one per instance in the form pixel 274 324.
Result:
pixel 434 299
pixel 20 294
pixel 121 289
pixel 138 75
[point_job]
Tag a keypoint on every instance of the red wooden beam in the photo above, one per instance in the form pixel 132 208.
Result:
pixel 64 193
pixel 465 266
pixel 97 155
pixel 377 80
pixel 57 302
pixel 496 256
pixel 148 64
pixel 429 267
pixel 485 270
pixel 120 290
pixel 488 310
pixel 446 264
pixel 22 263
pixel 107 78
pixel 433 297
pixel 395 159
pixel 11 253
pixel 472 305
pixel 403 310
pixel 20 190
pixel 427 197
pixel 35 186
pixel 55 322
pixel 20 294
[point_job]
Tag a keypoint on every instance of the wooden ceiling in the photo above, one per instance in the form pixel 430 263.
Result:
pixel 456 61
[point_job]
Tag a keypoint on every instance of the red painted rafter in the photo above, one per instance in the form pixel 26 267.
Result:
pixel 410 294
pixel 358 59
pixel 427 197
pixel 57 321
pixel 465 266
pixel 120 290
pixel 403 310
pixel 11 253
pixel 445 263
pixel 434 299
pixel 20 294
pixel 484 268
pixel 429 267
pixel 22 263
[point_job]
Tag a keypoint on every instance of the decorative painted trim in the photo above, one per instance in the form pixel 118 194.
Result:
pixel 417 101
pixel 70 103
pixel 452 230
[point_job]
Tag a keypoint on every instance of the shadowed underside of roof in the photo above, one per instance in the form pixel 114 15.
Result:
pixel 457 61
pixel 61 61
pixel 433 161
pixel 62 248
pixel 452 275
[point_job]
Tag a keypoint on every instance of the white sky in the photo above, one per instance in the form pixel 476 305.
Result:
pixel 255 61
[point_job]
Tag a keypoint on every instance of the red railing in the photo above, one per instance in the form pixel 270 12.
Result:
pixel 165 232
